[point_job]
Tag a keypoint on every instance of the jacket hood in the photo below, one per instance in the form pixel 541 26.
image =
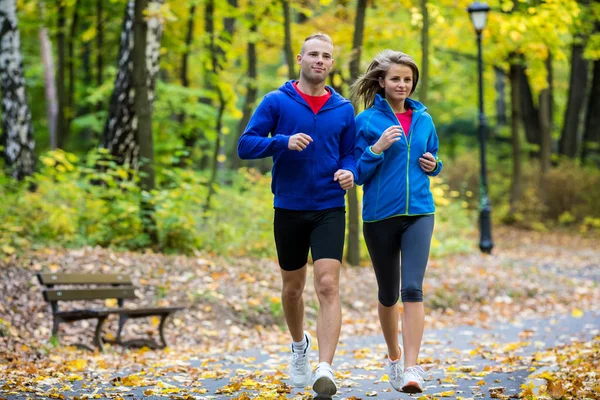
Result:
pixel 336 99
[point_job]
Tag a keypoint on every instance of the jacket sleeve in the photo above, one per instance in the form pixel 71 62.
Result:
pixel 255 141
pixel 347 139
pixel 432 147
pixel 367 161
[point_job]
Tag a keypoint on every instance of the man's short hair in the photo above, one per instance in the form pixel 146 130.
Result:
pixel 319 36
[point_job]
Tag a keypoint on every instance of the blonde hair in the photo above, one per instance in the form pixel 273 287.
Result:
pixel 319 36
pixel 367 85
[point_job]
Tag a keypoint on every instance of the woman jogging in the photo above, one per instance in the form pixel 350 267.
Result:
pixel 396 152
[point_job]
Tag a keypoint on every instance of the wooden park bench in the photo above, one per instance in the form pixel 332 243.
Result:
pixel 84 287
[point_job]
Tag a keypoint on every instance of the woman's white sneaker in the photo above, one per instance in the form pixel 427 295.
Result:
pixel 300 369
pixel 412 382
pixel 324 384
pixel 395 371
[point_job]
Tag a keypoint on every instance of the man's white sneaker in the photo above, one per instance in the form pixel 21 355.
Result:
pixel 324 384
pixel 413 380
pixel 395 371
pixel 300 369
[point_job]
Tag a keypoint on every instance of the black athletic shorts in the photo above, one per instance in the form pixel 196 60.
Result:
pixel 296 231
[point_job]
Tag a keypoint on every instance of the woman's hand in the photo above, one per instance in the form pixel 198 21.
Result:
pixel 427 162
pixel 390 136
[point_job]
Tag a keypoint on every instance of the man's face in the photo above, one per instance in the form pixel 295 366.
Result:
pixel 316 61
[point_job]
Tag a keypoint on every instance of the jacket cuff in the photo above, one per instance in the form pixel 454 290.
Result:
pixel 281 141
pixel 438 166
pixel 370 148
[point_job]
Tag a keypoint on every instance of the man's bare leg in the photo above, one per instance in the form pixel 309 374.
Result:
pixel 329 322
pixel 292 302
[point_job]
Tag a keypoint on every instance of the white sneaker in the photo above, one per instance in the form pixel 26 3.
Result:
pixel 413 380
pixel 324 384
pixel 395 371
pixel 300 369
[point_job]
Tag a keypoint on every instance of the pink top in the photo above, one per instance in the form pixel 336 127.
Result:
pixel 405 119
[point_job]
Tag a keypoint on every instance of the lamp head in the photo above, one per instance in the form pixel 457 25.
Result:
pixel 478 12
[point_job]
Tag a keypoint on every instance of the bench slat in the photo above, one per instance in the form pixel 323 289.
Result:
pixel 144 311
pixel 89 294
pixel 82 279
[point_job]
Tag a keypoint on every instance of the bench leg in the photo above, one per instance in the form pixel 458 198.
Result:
pixel 98 335
pixel 55 322
pixel 122 320
pixel 161 330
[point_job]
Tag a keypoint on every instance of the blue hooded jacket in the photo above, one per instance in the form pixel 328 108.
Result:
pixel 302 180
pixel 394 183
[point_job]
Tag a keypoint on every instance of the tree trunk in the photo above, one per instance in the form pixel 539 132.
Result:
pixel 218 58
pixel 17 132
pixel 49 85
pixel 189 139
pixel 119 135
pixel 61 118
pixel 209 32
pixel 516 74
pixel 141 104
pixel 501 118
pixel 546 121
pixel 424 76
pixel 530 115
pixel 189 37
pixel 591 137
pixel 353 242
pixel 287 47
pixel 99 47
pixel 570 137
pixel 87 135
pixel 142 109
pixel 251 88
pixel 71 66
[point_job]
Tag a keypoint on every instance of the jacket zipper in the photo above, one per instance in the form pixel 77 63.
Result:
pixel 407 154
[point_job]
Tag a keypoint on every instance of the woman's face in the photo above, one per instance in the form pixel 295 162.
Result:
pixel 398 83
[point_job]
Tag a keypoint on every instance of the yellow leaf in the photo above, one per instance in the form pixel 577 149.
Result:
pixel 132 380
pixel 577 313
pixel 449 393
pixel 77 365
pixel 111 303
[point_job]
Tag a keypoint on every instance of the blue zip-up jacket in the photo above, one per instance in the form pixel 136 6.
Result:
pixel 394 183
pixel 302 180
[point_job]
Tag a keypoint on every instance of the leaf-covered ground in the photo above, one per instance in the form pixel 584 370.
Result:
pixel 233 307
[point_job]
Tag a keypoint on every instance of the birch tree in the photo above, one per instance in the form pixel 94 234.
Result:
pixel 17 131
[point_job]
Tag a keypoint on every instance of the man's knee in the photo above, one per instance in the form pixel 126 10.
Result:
pixel 327 286
pixel 292 290
pixel 412 293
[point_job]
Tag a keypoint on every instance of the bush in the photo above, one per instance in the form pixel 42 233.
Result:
pixel 569 196
pixel 77 204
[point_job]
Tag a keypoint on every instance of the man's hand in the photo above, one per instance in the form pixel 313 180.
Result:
pixel 299 141
pixel 345 178
pixel 427 162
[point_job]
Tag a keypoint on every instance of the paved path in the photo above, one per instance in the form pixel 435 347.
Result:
pixel 453 347
pixel 459 357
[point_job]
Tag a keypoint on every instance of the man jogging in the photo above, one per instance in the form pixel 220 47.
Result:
pixel 311 140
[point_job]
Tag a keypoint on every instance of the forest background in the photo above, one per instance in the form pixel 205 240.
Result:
pixel 120 119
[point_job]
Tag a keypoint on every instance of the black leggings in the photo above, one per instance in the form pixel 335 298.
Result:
pixel 408 237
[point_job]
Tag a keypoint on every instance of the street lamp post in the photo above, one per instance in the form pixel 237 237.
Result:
pixel 478 12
